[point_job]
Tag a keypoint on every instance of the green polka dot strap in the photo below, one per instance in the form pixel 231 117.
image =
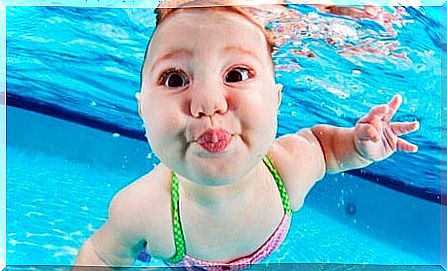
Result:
pixel 179 239
pixel 282 189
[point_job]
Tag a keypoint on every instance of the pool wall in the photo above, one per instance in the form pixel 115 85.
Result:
pixel 444 135
pixel 2 183
pixel 2 136
pixel 42 133
pixel 397 218
pixel 444 237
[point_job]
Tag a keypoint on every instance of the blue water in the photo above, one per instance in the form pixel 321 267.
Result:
pixel 47 226
pixel 86 62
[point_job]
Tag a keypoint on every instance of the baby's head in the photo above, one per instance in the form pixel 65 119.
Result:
pixel 209 99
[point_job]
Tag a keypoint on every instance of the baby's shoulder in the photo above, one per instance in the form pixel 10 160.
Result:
pixel 300 162
pixel 147 192
pixel 146 206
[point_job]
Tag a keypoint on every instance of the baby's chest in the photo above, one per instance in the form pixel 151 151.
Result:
pixel 237 230
pixel 229 240
pixel 219 238
pixel 213 243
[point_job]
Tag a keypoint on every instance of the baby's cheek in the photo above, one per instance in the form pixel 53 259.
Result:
pixel 162 122
pixel 258 114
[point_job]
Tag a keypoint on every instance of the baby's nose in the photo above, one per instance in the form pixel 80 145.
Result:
pixel 207 102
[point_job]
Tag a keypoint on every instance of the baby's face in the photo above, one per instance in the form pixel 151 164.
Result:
pixel 209 99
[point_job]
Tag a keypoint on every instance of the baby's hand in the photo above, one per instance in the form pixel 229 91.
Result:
pixel 376 138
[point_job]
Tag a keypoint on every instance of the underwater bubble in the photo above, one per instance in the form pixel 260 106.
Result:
pixel 356 72
pixel 350 209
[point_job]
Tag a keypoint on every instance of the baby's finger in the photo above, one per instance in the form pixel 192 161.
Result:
pixel 391 139
pixel 366 132
pixel 376 113
pixel 406 146
pixel 394 105
pixel 402 128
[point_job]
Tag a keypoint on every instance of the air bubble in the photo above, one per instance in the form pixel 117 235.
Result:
pixel 356 72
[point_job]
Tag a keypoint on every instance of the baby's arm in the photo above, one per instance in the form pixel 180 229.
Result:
pixel 374 138
pixel 118 242
pixel 304 157
pixel 339 148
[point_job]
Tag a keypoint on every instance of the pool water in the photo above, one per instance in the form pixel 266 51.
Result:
pixel 58 220
pixel 333 68
pixel 56 201
pixel 62 172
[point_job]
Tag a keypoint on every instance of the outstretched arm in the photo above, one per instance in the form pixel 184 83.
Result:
pixel 373 138
pixel 303 158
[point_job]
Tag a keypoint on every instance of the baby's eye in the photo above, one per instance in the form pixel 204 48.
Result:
pixel 174 78
pixel 238 74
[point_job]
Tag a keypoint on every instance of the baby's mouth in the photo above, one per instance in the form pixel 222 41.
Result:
pixel 214 140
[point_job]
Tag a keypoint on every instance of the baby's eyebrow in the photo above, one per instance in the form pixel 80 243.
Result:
pixel 240 50
pixel 171 54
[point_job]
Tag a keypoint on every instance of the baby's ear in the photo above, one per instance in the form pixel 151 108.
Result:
pixel 137 96
pixel 279 90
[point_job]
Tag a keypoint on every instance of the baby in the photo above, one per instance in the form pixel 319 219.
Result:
pixel 223 195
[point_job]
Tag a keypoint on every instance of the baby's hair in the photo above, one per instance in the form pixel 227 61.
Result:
pixel 164 12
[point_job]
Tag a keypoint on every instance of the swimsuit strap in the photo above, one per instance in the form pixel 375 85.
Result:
pixel 179 239
pixel 281 187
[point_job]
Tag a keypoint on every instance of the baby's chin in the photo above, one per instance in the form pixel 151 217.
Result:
pixel 217 171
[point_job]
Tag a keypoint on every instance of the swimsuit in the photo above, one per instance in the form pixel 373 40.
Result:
pixel 181 259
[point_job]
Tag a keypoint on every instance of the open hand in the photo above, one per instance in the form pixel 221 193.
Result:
pixel 376 137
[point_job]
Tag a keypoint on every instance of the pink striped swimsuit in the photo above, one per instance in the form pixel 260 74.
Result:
pixel 181 259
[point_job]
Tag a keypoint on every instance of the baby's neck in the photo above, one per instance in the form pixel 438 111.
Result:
pixel 220 197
